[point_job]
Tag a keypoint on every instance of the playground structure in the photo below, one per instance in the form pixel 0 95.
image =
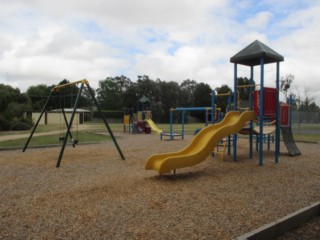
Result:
pixel 201 145
pixel 68 133
pixel 140 120
pixel 213 111
pixel 143 124
pixel 153 126
pixel 265 103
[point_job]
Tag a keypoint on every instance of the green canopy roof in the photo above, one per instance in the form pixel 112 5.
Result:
pixel 144 99
pixel 252 54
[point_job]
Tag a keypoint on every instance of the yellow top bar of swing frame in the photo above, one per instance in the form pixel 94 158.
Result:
pixel 57 88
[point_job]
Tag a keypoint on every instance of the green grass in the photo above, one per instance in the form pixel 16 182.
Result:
pixel 48 140
pixel 306 137
pixel 40 128
pixel 88 136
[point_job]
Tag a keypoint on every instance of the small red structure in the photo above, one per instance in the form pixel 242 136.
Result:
pixel 269 99
pixel 284 114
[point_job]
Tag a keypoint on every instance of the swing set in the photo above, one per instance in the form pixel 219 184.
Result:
pixel 68 133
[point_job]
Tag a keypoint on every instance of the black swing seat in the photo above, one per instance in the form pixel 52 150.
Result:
pixel 73 141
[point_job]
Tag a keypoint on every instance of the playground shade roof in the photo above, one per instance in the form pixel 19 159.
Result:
pixel 252 54
pixel 144 99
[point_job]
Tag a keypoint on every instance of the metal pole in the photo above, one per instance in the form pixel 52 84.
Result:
pixel 212 107
pixel 171 124
pixel 229 109
pixel 69 126
pixel 251 108
pixel 183 112
pixel 36 125
pixel 235 109
pixel 290 111
pixel 105 121
pixel 278 116
pixel 261 110
pixel 66 122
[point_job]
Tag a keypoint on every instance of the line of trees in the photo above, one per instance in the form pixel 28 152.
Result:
pixel 116 93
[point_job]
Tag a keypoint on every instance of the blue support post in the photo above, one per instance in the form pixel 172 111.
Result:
pixel 171 130
pixel 182 130
pixel 277 143
pixel 212 106
pixel 251 108
pixel 261 110
pixel 290 111
pixel 229 138
pixel 235 108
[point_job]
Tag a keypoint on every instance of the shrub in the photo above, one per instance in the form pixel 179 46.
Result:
pixel 4 123
pixel 21 124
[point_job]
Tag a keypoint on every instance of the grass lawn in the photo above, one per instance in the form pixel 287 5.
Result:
pixel 50 140
pixel 90 135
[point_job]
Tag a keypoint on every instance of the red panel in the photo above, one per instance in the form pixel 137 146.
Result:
pixel 269 99
pixel 284 115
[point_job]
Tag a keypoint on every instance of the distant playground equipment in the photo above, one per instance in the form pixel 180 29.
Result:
pixel 213 114
pixel 153 126
pixel 64 138
pixel 264 107
pixel 138 119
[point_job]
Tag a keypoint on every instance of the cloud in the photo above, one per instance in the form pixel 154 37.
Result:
pixel 43 42
pixel 260 20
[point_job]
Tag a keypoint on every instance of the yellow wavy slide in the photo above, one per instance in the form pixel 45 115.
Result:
pixel 201 145
pixel 153 126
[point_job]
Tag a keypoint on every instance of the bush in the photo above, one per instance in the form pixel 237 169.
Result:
pixel 21 124
pixel 4 123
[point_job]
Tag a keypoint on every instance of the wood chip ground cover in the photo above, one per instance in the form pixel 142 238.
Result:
pixel 96 195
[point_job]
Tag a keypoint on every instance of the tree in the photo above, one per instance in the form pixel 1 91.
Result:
pixel 222 101
pixel 38 95
pixel 109 94
pixel 308 103
pixel 149 88
pixel 169 99
pixel 13 105
pixel 187 88
pixel 131 96
pixel 285 84
pixel 202 98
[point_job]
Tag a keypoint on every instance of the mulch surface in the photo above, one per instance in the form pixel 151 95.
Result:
pixel 96 195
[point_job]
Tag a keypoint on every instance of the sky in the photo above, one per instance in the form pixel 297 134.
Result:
pixel 44 42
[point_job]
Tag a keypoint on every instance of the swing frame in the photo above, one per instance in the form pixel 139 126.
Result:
pixel 56 89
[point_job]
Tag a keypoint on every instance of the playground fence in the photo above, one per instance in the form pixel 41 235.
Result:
pixel 307 123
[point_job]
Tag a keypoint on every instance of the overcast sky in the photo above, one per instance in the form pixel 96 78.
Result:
pixel 44 42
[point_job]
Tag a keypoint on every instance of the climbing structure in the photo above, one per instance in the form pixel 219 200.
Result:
pixel 258 54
